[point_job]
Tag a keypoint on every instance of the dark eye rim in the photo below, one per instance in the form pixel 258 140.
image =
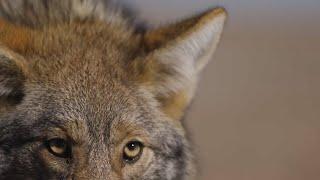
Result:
pixel 132 160
pixel 68 150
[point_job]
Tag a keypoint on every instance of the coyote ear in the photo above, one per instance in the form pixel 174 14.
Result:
pixel 11 77
pixel 177 53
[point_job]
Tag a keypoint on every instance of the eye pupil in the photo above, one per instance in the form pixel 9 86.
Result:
pixel 132 151
pixel 58 143
pixel 59 147
pixel 132 146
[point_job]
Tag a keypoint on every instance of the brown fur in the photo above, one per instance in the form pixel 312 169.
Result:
pixel 90 78
pixel 14 37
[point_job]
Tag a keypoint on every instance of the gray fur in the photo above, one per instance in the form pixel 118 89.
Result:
pixel 85 74
pixel 41 12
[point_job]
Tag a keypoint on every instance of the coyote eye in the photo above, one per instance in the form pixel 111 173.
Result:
pixel 132 151
pixel 59 147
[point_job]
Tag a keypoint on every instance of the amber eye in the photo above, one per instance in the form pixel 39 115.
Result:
pixel 132 151
pixel 59 147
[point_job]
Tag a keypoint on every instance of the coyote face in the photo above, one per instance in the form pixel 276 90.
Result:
pixel 85 95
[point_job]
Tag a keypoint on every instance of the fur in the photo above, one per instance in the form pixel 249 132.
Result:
pixel 81 70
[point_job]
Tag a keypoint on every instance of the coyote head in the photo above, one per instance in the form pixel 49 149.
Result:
pixel 85 94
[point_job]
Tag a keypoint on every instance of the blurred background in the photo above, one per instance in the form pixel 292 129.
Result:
pixel 257 112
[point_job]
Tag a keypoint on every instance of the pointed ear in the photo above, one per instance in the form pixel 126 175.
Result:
pixel 177 54
pixel 194 38
pixel 12 77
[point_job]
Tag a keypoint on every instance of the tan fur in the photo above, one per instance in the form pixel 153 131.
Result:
pixel 162 39
pixel 175 105
pixel 80 71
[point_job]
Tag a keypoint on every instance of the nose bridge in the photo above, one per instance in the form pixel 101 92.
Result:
pixel 97 165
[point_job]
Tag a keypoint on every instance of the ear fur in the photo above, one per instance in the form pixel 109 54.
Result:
pixel 12 77
pixel 177 54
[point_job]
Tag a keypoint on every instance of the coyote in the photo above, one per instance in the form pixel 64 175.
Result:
pixel 88 93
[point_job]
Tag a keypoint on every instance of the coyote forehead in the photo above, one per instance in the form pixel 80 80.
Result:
pixel 85 94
